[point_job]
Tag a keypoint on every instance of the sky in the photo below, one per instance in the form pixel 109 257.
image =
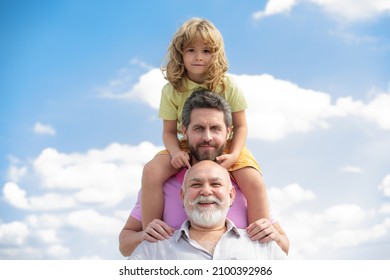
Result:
pixel 80 84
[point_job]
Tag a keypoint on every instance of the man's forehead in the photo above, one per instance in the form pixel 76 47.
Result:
pixel 207 114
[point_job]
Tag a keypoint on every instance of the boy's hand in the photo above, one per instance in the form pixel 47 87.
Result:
pixel 180 159
pixel 157 230
pixel 226 160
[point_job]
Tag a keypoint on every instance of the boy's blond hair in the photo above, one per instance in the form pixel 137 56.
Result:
pixel 193 30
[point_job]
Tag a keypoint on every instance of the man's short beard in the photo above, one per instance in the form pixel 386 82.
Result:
pixel 206 155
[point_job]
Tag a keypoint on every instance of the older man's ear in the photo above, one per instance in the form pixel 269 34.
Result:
pixel 232 195
pixel 182 196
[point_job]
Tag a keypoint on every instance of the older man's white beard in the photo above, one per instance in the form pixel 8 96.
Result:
pixel 210 216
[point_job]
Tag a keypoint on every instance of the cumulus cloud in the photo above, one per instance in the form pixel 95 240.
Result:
pixel 349 10
pixel 14 233
pixel 72 194
pixel 346 215
pixel 375 110
pixel 282 107
pixel 15 173
pixel 385 186
pixel 385 209
pixel 49 201
pixel 92 222
pixel 15 195
pixel 351 169
pixel 99 176
pixel 46 129
pixel 289 195
pixel 333 229
pixel 274 7
pixel 58 251
pixel 47 235
pixel 147 89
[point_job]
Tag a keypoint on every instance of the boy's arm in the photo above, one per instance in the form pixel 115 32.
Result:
pixel 179 157
pixel 240 132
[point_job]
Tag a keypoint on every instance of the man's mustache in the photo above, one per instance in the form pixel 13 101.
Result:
pixel 206 199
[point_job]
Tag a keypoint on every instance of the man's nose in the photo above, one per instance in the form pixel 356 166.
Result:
pixel 206 190
pixel 207 135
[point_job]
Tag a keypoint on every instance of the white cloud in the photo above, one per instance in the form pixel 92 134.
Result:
pixel 99 176
pixel 58 251
pixel 385 186
pixel 15 173
pixel 378 110
pixel 54 189
pixel 277 107
pixel 274 7
pixel 92 222
pixel 147 89
pixel 349 10
pixel 51 221
pixel 15 195
pixel 385 209
pixel 47 235
pixel 354 10
pixel 346 215
pixel 282 107
pixel 14 233
pixel 49 201
pixel 40 128
pixel 351 169
pixel 332 230
pixel 283 198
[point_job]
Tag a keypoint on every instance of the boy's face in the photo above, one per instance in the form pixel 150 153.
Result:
pixel 206 134
pixel 197 58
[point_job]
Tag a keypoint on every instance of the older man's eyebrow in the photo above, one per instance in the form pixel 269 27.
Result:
pixel 216 178
pixel 212 179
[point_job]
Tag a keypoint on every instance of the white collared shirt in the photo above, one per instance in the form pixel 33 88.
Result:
pixel 234 244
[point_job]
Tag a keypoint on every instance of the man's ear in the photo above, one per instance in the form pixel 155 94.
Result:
pixel 232 195
pixel 181 195
pixel 229 130
pixel 184 130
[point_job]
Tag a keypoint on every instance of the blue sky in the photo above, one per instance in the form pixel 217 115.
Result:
pixel 79 92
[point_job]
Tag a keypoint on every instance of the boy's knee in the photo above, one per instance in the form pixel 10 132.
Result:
pixel 148 168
